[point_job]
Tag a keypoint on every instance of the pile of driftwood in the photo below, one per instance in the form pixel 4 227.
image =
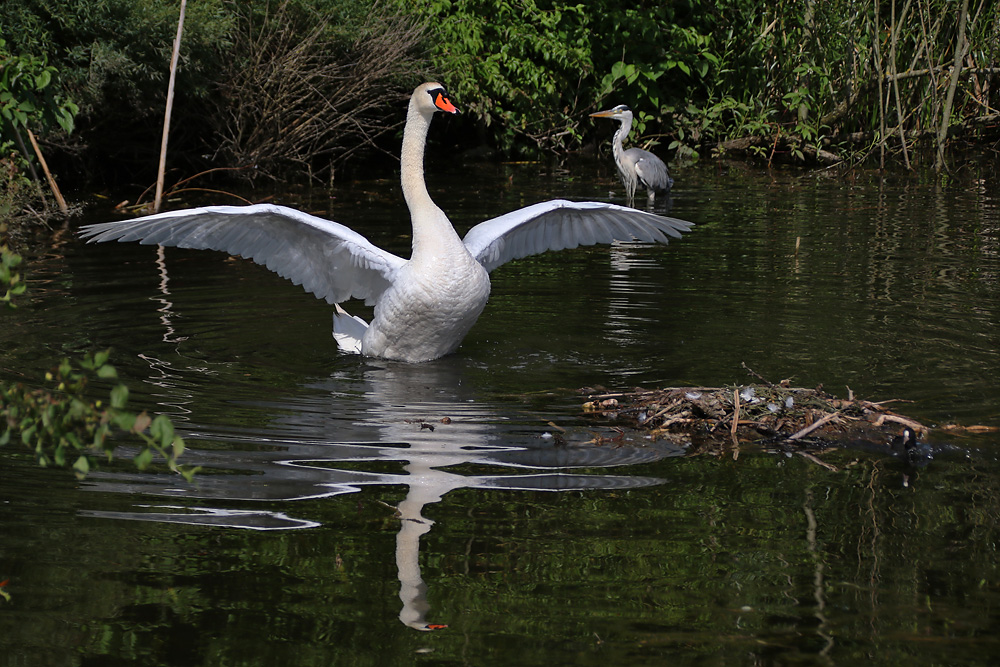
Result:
pixel 755 413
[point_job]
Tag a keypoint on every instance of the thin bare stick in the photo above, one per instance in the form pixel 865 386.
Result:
pixel 915 425
pixel 812 427
pixel 960 45
pixel 174 192
pixel 818 461
pixel 48 174
pixel 736 423
pixel 895 83
pixel 752 371
pixel 157 200
pixel 24 152
pixel 876 37
pixel 736 413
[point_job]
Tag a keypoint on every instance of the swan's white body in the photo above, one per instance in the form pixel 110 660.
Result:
pixel 424 306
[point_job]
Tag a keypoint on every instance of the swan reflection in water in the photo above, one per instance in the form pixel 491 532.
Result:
pixel 370 412
pixel 380 414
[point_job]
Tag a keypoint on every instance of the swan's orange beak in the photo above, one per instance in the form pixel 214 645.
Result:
pixel 444 104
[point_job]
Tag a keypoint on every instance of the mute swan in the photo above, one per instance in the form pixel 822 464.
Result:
pixel 424 306
pixel 635 165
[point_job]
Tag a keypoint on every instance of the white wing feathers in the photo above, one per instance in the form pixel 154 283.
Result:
pixel 560 224
pixel 328 259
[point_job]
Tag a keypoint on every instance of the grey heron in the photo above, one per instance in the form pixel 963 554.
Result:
pixel 424 306
pixel 635 165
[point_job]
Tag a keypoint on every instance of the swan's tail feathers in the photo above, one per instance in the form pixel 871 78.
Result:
pixel 348 330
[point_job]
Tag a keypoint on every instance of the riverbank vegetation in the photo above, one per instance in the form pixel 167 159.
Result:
pixel 308 89
pixel 297 88
pixel 805 81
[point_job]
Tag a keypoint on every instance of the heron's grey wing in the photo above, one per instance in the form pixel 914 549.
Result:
pixel 560 224
pixel 328 259
pixel 651 170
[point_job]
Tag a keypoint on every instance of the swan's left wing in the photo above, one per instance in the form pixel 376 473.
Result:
pixel 328 259
pixel 561 224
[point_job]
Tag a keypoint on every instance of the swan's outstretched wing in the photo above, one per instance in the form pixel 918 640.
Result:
pixel 328 259
pixel 560 224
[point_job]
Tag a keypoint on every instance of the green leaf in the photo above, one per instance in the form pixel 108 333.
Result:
pixel 126 421
pixel 65 119
pixel 73 440
pixel 43 79
pixel 100 436
pixel 178 447
pixel 119 396
pixel 82 466
pixel 162 430
pixel 143 458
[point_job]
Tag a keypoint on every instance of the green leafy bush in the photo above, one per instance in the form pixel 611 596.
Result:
pixel 517 66
pixel 30 100
pixel 798 75
pixel 27 96
pixel 302 84
pixel 62 424
pixel 11 284
pixel 64 427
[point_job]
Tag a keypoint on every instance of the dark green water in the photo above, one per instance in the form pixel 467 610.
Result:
pixel 287 551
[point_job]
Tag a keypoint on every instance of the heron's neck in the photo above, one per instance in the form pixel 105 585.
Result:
pixel 430 225
pixel 624 127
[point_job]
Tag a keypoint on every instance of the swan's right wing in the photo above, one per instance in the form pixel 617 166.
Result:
pixel 328 259
pixel 560 224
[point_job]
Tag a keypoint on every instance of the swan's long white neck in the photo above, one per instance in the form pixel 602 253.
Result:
pixel 431 227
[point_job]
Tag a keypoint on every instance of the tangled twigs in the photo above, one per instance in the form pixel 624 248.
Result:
pixel 752 412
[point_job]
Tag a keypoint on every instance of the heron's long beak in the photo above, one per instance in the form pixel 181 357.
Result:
pixel 603 114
